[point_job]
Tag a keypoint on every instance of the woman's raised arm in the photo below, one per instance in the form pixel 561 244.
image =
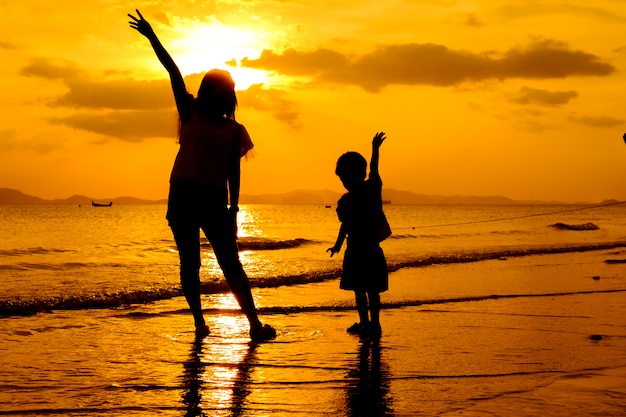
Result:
pixel 183 105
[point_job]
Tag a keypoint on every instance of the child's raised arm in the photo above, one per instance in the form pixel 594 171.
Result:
pixel 378 140
pixel 142 26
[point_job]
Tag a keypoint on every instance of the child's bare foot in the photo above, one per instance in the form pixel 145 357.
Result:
pixel 357 328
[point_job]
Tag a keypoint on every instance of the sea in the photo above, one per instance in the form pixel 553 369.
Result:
pixel 92 321
pixel 80 257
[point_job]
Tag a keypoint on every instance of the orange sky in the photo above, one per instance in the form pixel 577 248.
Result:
pixel 517 98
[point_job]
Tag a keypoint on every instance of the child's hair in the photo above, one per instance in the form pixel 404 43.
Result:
pixel 216 95
pixel 352 165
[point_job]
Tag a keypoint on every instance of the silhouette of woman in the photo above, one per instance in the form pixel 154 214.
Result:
pixel 206 173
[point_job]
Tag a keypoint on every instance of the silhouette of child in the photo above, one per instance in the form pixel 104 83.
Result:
pixel 360 212
pixel 206 173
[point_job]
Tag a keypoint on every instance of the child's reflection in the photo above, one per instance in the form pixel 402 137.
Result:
pixel 368 393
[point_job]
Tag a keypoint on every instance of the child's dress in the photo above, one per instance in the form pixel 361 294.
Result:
pixel 364 264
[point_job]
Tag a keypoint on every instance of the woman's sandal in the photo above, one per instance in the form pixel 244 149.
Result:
pixel 202 330
pixel 265 332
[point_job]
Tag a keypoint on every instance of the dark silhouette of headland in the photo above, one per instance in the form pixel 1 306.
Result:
pixel 312 197
pixel 10 196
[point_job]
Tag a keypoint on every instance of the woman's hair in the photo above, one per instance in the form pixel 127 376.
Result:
pixel 351 165
pixel 216 95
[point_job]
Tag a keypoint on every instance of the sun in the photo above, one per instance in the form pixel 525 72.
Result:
pixel 207 46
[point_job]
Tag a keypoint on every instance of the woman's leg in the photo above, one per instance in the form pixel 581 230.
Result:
pixel 187 239
pixel 224 244
pixel 240 287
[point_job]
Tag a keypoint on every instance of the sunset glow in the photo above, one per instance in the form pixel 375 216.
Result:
pixel 217 46
pixel 521 99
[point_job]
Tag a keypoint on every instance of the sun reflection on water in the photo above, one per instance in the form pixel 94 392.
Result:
pixel 223 302
pixel 247 223
pixel 217 375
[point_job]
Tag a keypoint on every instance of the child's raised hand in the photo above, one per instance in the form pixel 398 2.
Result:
pixel 141 25
pixel 378 140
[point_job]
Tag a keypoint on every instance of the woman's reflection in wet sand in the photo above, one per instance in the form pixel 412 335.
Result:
pixel 368 391
pixel 216 377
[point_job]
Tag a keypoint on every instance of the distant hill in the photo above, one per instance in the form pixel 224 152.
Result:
pixel 328 197
pixel 9 196
pixel 319 197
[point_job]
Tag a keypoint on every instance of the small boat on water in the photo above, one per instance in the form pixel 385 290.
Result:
pixel 101 205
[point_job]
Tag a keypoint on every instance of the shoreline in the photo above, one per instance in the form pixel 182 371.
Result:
pixel 20 307
pixel 526 351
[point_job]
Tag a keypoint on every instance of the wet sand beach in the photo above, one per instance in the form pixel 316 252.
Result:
pixel 526 336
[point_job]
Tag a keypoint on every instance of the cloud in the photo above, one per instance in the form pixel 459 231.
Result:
pixel 10 141
pixel 596 121
pixel 52 70
pixel 133 110
pixel 7 138
pixel 431 64
pixel 135 123
pixel 528 95
pixel 86 92
pixel 472 20
pixel 142 102
pixel 271 100
pixel 117 94
pixel 295 63
pixel 8 45
pixel 131 125
pixel 534 125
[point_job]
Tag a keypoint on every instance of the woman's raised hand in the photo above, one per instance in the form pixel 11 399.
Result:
pixel 141 25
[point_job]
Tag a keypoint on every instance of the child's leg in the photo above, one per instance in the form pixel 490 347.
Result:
pixel 361 306
pixel 374 306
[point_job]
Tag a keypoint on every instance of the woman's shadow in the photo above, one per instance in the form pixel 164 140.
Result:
pixel 368 391
pixel 232 393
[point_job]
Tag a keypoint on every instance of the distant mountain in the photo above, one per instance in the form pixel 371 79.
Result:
pixel 9 196
pixel 319 197
pixel 328 197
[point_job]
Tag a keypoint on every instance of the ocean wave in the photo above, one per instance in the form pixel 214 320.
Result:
pixel 500 253
pixel 414 303
pixel 61 266
pixel 584 226
pixel 443 236
pixel 303 309
pixel 33 251
pixel 114 300
pixel 615 261
pixel 10 308
pixel 261 243
pixel 429 235
pixel 510 232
